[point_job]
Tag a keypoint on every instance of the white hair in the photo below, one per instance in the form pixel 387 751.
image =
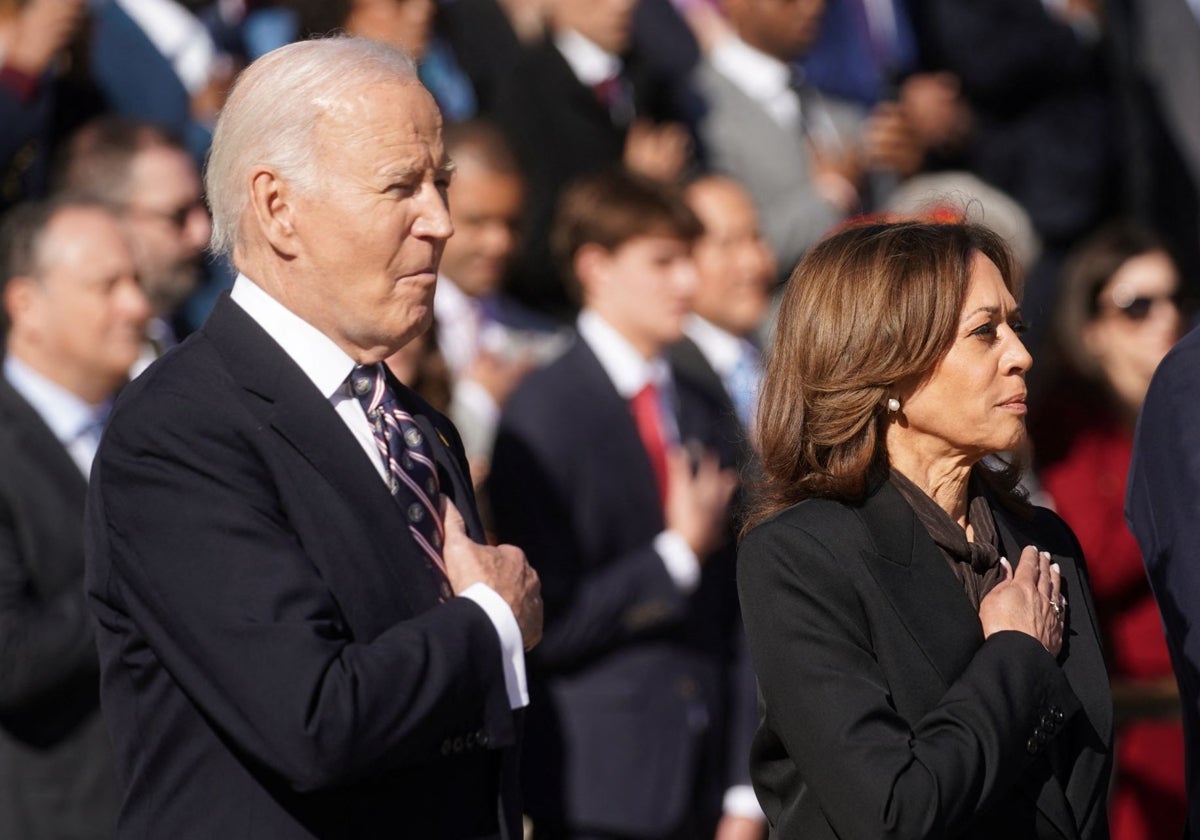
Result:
pixel 271 112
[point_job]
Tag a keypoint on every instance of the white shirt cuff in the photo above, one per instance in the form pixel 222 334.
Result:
pixel 511 645
pixel 740 801
pixel 681 562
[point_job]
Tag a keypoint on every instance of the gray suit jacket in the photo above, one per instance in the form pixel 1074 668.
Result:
pixel 772 163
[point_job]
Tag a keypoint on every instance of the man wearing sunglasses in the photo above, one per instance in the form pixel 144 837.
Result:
pixel 151 179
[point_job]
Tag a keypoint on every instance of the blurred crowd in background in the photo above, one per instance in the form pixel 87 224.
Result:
pixel 1070 126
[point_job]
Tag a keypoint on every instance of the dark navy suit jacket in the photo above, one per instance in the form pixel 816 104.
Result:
pixel 638 685
pixel 1162 507
pixel 275 662
pixel 56 765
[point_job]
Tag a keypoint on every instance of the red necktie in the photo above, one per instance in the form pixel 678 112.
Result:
pixel 647 413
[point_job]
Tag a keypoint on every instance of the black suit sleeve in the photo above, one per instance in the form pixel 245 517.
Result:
pixel 45 640
pixel 192 546
pixel 827 701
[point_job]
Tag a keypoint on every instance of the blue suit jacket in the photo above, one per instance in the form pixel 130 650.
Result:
pixel 274 659
pixel 1162 507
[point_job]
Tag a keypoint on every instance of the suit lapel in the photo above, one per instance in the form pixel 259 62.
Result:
pixel 912 572
pixel 303 417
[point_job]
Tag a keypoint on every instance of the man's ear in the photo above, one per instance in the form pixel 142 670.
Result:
pixel 590 266
pixel 272 203
pixel 20 298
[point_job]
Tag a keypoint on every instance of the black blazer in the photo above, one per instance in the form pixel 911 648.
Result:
pixel 274 660
pixel 56 774
pixel 886 714
pixel 632 731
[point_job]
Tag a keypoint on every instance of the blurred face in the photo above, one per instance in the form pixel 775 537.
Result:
pixel 168 225
pixel 81 320
pixel 402 23
pixel 370 234
pixel 735 267
pixel 486 209
pixel 606 23
pixel 1136 324
pixel 643 289
pixel 973 404
pixel 784 29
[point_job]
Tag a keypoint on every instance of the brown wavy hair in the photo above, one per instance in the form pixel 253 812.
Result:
pixel 865 309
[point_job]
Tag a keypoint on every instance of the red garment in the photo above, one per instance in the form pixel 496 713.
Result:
pixel 647 411
pixel 1083 452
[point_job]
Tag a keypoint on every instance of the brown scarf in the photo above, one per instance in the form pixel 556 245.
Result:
pixel 976 564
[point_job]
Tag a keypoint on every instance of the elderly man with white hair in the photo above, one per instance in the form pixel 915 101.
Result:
pixel 301 631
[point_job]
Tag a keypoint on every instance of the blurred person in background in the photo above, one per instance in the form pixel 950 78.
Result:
pixel 72 317
pixel 42 93
pixel 1118 315
pixel 735 272
pixel 581 100
pixel 154 184
pixel 915 683
pixel 488 339
pixel 803 156
pixel 612 472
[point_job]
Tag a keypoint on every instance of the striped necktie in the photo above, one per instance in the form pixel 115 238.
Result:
pixel 411 472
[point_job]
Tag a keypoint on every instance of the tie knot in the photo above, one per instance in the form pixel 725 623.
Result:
pixel 369 385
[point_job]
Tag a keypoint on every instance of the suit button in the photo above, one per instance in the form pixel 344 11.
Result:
pixel 1032 746
pixel 1041 735
pixel 483 738
pixel 458 744
pixel 1057 712
pixel 472 739
pixel 446 747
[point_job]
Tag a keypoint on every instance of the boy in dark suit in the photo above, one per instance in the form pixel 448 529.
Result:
pixel 610 469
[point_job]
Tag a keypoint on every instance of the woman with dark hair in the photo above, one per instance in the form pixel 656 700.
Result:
pixel 1117 317
pixel 914 681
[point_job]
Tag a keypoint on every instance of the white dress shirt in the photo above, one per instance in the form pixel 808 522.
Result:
pixel 327 365
pixel 75 422
pixel 629 373
pixel 590 63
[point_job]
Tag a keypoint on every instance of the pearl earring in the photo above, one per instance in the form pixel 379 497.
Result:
pixel 893 405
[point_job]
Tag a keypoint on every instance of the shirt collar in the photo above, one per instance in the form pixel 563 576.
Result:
pixel 322 361
pixel 65 413
pixel 722 349
pixel 590 63
pixel 626 368
pixel 760 76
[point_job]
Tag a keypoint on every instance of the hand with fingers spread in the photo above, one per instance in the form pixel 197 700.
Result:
pixel 503 568
pixel 1029 600
pixel 698 499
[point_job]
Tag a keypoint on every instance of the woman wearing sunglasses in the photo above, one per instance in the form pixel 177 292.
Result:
pixel 1118 316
